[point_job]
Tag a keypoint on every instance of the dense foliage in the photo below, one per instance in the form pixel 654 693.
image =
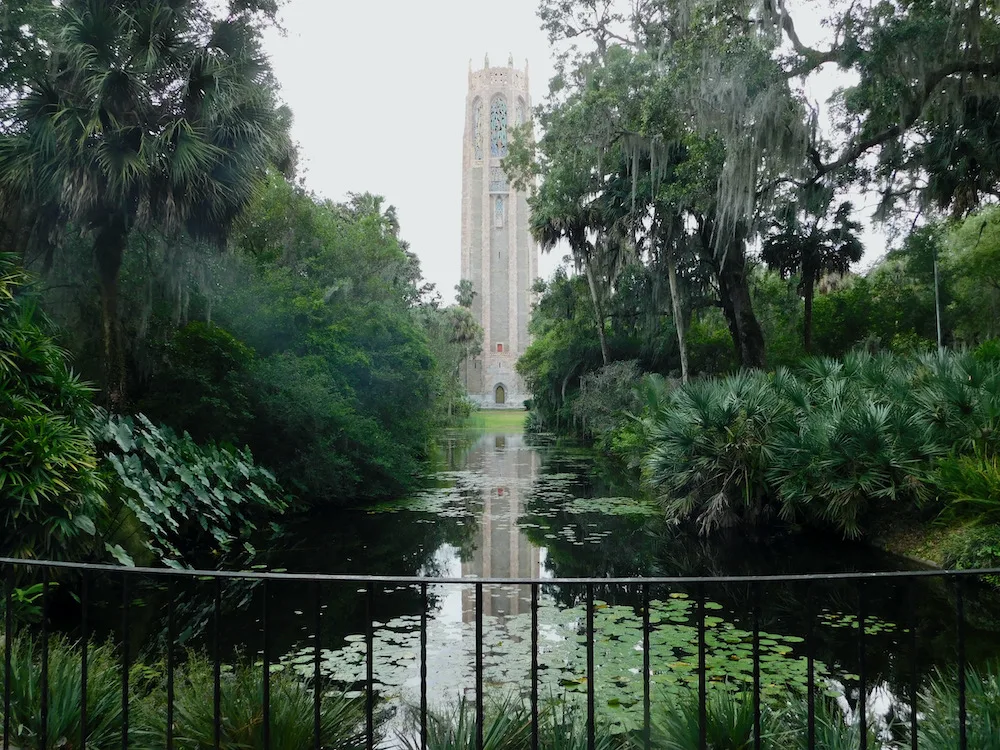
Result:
pixel 195 502
pixel 78 483
pixel 49 478
pixel 291 716
pixel 889 308
pixel 680 139
pixel 311 341
pixel 829 443
pixel 306 339
pixel 159 114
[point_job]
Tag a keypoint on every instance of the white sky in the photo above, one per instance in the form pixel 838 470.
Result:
pixel 378 90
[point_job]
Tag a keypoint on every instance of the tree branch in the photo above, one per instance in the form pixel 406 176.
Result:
pixel 813 57
pixel 855 150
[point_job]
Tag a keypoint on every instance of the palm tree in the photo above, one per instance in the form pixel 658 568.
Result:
pixel 799 243
pixel 552 223
pixel 465 293
pixel 371 207
pixel 596 219
pixel 154 113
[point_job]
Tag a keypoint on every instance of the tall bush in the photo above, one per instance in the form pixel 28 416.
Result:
pixel 607 397
pixel 203 387
pixel 49 477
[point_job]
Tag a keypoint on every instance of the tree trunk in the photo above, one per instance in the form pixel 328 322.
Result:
pixel 598 311
pixel 807 318
pixel 109 247
pixel 675 301
pixel 734 294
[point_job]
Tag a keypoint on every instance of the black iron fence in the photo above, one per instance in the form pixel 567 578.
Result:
pixel 64 601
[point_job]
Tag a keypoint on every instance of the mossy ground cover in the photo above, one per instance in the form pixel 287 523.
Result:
pixel 923 542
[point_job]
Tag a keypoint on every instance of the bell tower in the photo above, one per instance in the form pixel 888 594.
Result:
pixel 498 255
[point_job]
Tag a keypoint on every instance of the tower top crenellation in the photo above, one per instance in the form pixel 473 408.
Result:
pixel 493 76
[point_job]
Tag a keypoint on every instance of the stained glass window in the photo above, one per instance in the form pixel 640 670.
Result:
pixel 498 180
pixel 498 211
pixel 477 130
pixel 498 128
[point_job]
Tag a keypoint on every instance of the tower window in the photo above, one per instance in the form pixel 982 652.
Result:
pixel 498 180
pixel 498 127
pixel 499 348
pixel 477 130
pixel 499 211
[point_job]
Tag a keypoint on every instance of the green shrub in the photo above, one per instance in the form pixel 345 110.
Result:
pixel 828 444
pixel 675 725
pixel 104 692
pixel 988 351
pixel 563 726
pixel 632 437
pixel 972 547
pixel 192 500
pixel 534 423
pixel 49 480
pixel 341 719
pixel 203 388
pixel 309 425
pixel 856 443
pixel 958 396
pixel 709 343
pixel 832 731
pixel 939 711
pixel 969 485
pixel 606 398
pixel 910 342
pixel 730 725
pixel 507 726
pixel 711 448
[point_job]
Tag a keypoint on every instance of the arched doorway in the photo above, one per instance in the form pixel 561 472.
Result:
pixel 501 395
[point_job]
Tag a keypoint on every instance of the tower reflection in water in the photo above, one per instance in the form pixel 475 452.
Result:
pixel 502 550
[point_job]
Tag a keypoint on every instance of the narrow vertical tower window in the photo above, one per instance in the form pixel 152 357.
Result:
pixel 498 127
pixel 477 129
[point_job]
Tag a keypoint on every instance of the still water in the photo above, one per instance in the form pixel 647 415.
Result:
pixel 505 505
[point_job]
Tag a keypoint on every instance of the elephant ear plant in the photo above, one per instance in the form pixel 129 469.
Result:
pixel 190 499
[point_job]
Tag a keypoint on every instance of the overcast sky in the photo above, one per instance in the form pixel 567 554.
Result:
pixel 378 90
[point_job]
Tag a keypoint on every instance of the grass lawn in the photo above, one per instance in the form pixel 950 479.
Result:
pixel 497 419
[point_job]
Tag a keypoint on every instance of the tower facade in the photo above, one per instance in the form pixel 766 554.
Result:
pixel 498 254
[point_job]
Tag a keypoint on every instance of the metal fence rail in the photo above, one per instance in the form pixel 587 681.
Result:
pixel 374 586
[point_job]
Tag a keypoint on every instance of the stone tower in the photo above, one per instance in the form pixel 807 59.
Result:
pixel 498 254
